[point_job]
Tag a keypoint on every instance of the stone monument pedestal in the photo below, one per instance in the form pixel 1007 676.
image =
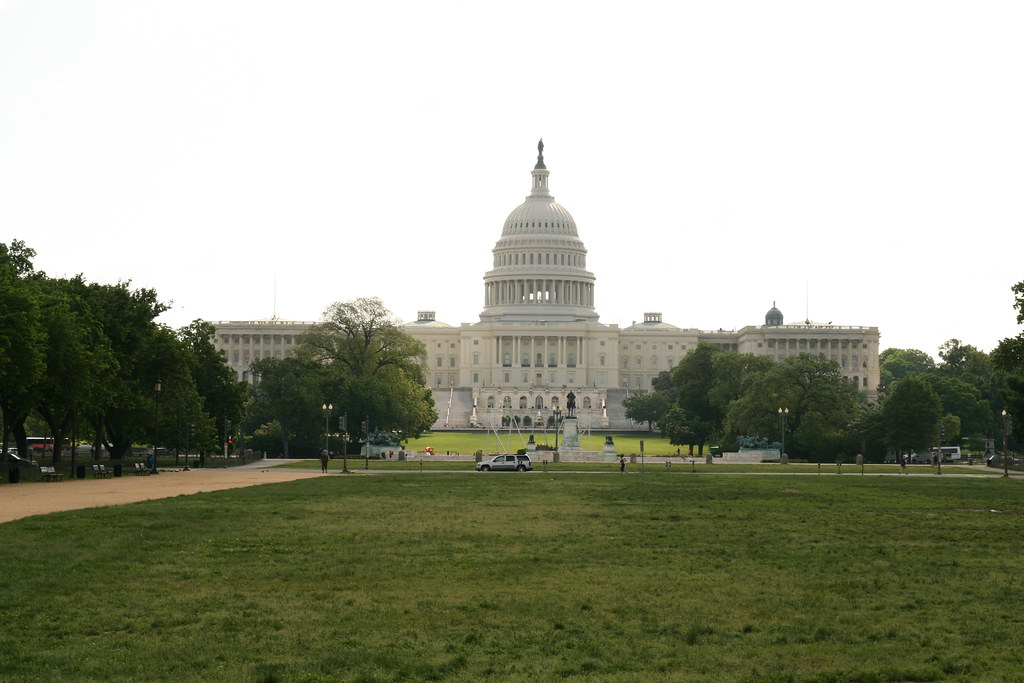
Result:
pixel 570 435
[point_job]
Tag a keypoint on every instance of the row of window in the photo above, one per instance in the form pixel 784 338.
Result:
pixel 519 225
pixel 244 356
pixel 255 339
pixel 576 260
pixel 814 343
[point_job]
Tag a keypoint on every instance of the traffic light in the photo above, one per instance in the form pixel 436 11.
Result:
pixel 343 423
pixel 942 432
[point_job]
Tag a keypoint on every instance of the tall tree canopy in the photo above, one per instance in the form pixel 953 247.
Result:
pixel 910 415
pixel 895 364
pixel 90 355
pixel 1009 357
pixel 821 401
pixel 371 367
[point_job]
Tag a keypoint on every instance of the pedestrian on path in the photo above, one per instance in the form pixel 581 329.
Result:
pixel 622 463
pixel 325 458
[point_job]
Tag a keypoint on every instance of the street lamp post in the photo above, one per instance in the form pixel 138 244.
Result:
pixel 327 408
pixel 558 422
pixel 783 414
pixel 156 422
pixel 1006 453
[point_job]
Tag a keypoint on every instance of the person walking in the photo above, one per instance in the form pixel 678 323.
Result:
pixel 325 458
pixel 622 463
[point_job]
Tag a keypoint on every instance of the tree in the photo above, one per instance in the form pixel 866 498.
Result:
pixel 895 364
pixel 963 400
pixel 1009 357
pixel 649 408
pixel 145 353
pixel 867 432
pixel 910 415
pixel 289 394
pixel 78 360
pixel 821 401
pixel 223 396
pixel 698 417
pixel 371 366
pixel 22 340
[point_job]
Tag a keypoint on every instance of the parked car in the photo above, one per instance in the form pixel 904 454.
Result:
pixel 516 463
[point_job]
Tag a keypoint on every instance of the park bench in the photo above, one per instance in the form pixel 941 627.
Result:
pixel 50 474
pixel 141 468
pixel 101 472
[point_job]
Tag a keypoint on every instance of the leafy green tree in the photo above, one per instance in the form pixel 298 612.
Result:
pixel 822 403
pixel 698 417
pixel 963 400
pixel 1009 357
pixel 895 364
pixel 222 395
pixel 646 407
pixel 680 429
pixel 289 399
pixel 663 384
pixel 708 380
pixel 78 360
pixel 910 415
pixel 145 353
pixel 867 432
pixel 22 340
pixel 371 367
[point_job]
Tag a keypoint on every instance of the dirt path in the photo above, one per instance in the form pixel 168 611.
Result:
pixel 37 498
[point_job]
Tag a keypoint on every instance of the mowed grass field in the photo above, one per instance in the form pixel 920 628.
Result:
pixel 526 577
pixel 468 443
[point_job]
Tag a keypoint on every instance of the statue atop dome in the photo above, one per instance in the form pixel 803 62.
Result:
pixel 540 154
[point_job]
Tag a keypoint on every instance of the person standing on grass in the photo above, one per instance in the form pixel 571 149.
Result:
pixel 622 463
pixel 325 457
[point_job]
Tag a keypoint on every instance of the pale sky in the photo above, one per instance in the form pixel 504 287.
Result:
pixel 859 163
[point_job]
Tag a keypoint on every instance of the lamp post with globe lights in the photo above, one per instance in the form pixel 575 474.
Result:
pixel 327 408
pixel 783 414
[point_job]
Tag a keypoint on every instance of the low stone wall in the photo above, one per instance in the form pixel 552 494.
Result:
pixel 751 456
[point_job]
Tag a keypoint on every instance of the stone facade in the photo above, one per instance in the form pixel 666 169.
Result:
pixel 539 335
pixel 245 341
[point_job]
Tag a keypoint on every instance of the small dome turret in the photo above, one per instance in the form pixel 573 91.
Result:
pixel 773 318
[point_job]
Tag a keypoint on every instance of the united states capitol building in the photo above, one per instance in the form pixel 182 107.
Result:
pixel 539 335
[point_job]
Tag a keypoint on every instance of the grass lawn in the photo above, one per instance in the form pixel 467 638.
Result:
pixel 470 442
pixel 523 577
pixel 651 465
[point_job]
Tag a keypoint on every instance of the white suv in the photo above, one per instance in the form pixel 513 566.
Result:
pixel 517 463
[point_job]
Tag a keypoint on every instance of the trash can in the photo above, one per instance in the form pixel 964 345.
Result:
pixel 80 472
pixel 14 475
pixel 118 469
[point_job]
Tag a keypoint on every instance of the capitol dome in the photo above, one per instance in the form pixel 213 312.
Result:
pixel 539 263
